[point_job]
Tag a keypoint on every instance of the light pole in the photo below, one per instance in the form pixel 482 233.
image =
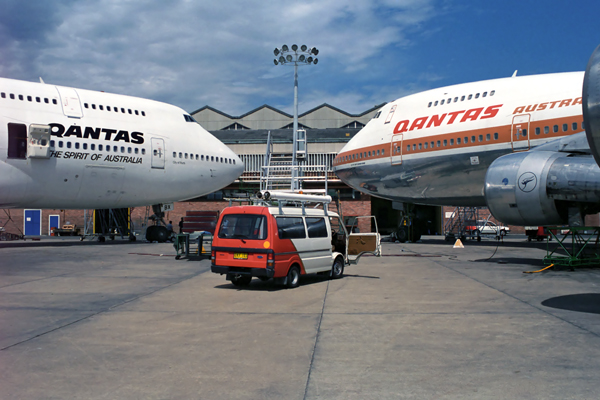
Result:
pixel 295 56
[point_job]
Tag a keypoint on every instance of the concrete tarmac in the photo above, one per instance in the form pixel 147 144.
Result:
pixel 83 320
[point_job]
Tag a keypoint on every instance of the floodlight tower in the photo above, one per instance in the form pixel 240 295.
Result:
pixel 295 56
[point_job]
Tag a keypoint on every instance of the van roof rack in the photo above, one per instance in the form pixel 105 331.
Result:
pixel 299 197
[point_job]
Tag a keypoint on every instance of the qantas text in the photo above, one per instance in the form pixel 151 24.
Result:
pixel 452 117
pixel 87 132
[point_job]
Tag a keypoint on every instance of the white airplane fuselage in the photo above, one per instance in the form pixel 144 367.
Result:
pixel 435 147
pixel 104 150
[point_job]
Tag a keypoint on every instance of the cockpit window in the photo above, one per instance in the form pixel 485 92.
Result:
pixel 188 118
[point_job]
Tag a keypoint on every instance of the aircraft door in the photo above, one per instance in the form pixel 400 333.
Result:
pixel 69 99
pixel 158 153
pixel 396 149
pixel 519 132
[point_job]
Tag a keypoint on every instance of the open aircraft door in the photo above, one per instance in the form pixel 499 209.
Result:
pixel 158 153
pixel 519 132
pixel 396 148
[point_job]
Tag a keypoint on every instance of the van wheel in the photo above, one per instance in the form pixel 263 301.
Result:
pixel 241 280
pixel 337 270
pixel 292 279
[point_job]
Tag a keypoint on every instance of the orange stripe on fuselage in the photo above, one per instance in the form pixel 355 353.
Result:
pixel 504 136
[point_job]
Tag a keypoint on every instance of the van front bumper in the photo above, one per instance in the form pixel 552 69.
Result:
pixel 264 272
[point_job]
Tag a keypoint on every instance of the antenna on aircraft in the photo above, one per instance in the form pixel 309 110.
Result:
pixel 514 73
pixel 42 81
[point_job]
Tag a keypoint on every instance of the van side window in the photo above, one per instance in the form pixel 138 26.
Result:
pixel 290 228
pixel 243 226
pixel 316 227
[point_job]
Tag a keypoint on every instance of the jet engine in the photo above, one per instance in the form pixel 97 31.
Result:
pixel 591 103
pixel 542 188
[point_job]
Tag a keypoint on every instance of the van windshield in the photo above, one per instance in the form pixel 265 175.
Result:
pixel 243 226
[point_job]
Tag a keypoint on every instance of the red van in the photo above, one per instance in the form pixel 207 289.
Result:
pixel 284 243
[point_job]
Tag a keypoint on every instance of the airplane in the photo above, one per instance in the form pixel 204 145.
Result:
pixel 68 148
pixel 527 147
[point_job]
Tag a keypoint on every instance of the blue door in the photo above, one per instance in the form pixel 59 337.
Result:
pixel 54 222
pixel 33 222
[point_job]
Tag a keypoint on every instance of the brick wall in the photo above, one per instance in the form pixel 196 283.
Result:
pixel 12 219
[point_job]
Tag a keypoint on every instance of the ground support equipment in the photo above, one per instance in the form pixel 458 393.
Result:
pixel 581 250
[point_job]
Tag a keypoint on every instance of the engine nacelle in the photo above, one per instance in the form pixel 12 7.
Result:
pixel 515 189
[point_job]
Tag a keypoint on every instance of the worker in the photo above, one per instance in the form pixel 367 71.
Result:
pixel 181 225
pixel 169 230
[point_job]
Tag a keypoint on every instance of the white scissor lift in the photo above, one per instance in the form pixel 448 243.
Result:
pixel 350 245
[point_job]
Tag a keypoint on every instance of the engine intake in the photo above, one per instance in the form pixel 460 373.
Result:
pixel 591 103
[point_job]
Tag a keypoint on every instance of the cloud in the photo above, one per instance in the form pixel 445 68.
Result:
pixel 196 53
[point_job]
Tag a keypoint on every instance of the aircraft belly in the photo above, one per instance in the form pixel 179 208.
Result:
pixel 13 182
pixel 448 180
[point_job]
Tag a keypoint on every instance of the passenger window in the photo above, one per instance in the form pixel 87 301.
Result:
pixel 21 97
pixel 477 96
pixel 99 147
pixel 76 145
pixel 484 94
pixel 462 98
pixel 143 151
pixel 574 126
pixel 435 104
pixel 472 139
pixel 487 137
pixel 101 107
pixel 537 130
pixel 445 142
pixel 546 129
pixel 316 227
pixel 466 139
pixel 442 102
pixel 481 138
pixel 555 128
pixel 136 150
pixel 244 226
pixel 470 97
pixel 451 142
pixel 68 145
pixel 492 92
pixel 427 106
pixel 174 155
pixel 122 149
pixel 565 127
pixel 93 106
pixel 290 228
pixel 438 143
pixel 456 99
pixel 495 135
pixel 458 140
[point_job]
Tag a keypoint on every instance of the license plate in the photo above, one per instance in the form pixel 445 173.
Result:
pixel 240 256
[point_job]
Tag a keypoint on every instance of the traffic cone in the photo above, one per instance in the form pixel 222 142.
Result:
pixel 458 244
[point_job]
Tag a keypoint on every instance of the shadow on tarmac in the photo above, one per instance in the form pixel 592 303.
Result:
pixel 270 286
pixel 583 302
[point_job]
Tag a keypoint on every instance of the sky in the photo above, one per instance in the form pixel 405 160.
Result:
pixel 196 53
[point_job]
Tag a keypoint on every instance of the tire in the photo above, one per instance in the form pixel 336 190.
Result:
pixel 161 234
pixel 241 280
pixel 337 270
pixel 150 233
pixel 292 280
pixel 402 234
